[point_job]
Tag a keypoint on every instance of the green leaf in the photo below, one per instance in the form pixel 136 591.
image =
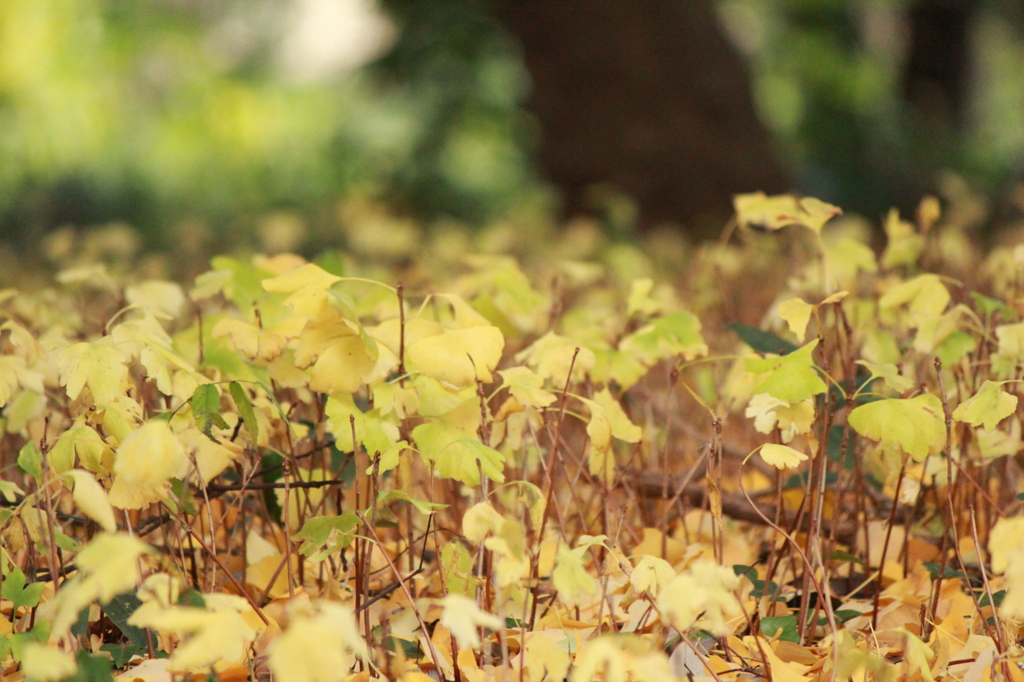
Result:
pixel 793 377
pixel 456 454
pixel 782 626
pixel 889 374
pixel 989 406
pixel 324 535
pixel 205 403
pixel 668 336
pixel 955 346
pixel 20 594
pixel 30 460
pixel 914 425
pixel 947 572
pixel 761 341
pixel 245 411
pixel 996 596
pixel 119 610
pixel 422 505
pixel 841 555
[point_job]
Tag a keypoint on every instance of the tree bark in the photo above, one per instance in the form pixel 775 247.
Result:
pixel 649 97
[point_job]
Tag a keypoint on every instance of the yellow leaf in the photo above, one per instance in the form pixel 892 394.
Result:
pixel 915 425
pixel 216 634
pixel 651 575
pixel 100 366
pixel 147 459
pixel 14 373
pixel 776 212
pixel 797 313
pixel 545 657
pixel 570 576
pixel 373 432
pixel 462 616
pixel 41 663
pixel 551 356
pixel 212 458
pixel 320 645
pixel 308 287
pixel 82 441
pixel 706 588
pixel 989 406
pixel 480 520
pixel 459 357
pixel 259 344
pixel 526 387
pixel 92 499
pixel 781 456
pixel 158 296
pixel 340 356
pixel 621 427
pixel 107 566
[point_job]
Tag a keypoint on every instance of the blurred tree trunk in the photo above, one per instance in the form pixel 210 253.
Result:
pixel 649 97
pixel 935 82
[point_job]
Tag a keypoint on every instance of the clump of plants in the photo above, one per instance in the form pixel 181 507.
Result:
pixel 780 456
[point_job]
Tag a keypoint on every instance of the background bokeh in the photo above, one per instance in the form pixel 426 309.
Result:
pixel 196 120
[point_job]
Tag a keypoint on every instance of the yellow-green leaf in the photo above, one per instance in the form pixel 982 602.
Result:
pixel 989 406
pixel 914 425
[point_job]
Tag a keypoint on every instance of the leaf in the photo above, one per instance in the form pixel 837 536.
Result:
pixel 706 591
pixel 781 456
pixel 889 374
pixel 621 427
pixel 218 634
pixel 92 499
pixel 761 341
pixel 245 411
pixel 526 387
pixel 144 465
pixel 775 212
pixel 666 337
pixel 324 535
pixel 373 432
pixel 119 610
pixel 307 286
pixel 792 377
pixel 42 663
pixel 989 406
pixel 459 357
pixel 20 595
pixel 783 627
pixel 107 566
pixel 456 454
pixel 570 576
pixel 321 646
pixel 925 297
pixel 101 366
pixel 81 441
pixel 462 617
pixel 551 356
pixel 639 299
pixel 914 425
pixel 651 575
pixel 797 313
pixel 30 460
pixel 205 404
pixel 423 506
pixel 340 356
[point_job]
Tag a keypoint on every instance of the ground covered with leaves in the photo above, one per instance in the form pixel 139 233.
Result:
pixel 523 454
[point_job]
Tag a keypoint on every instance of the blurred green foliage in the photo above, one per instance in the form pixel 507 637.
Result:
pixel 153 112
pixel 165 111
